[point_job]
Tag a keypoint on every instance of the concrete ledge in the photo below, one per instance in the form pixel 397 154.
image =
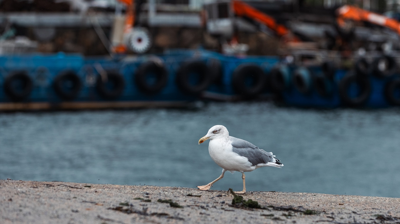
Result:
pixel 61 202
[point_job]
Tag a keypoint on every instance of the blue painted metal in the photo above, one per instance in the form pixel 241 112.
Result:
pixel 127 67
pixel 376 99
pixel 230 63
pixel 312 99
pixel 44 68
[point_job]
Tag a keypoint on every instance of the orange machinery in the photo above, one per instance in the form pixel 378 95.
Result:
pixel 242 9
pixel 129 21
pixel 344 13
pixel 239 9
pixel 126 33
pixel 348 12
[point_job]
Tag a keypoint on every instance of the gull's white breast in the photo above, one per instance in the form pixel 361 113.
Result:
pixel 220 150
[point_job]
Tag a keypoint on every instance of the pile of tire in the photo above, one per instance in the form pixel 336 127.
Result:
pixel 248 80
pixel 303 79
pixel 383 68
pixel 354 88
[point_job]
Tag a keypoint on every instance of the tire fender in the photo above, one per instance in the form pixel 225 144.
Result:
pixel 245 73
pixel 12 91
pixel 146 71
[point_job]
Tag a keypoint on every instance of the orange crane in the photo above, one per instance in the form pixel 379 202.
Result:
pixel 129 21
pixel 130 36
pixel 348 12
pixel 344 13
pixel 242 9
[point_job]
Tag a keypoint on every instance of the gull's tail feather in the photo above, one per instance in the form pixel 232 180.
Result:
pixel 277 161
pixel 274 163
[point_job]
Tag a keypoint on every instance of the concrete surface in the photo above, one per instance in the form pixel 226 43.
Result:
pixel 61 202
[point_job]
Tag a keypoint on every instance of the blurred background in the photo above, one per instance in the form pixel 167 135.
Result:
pixel 69 25
pixel 120 91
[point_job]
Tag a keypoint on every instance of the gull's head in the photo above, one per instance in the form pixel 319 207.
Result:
pixel 215 132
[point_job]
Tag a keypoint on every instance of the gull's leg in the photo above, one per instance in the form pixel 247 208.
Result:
pixel 208 186
pixel 244 185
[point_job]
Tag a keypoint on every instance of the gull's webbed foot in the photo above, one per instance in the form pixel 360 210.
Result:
pixel 204 187
pixel 240 192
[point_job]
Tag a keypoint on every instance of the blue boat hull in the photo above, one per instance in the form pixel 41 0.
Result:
pixel 44 69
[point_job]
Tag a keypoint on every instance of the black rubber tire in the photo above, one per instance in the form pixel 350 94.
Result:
pixel 323 86
pixel 278 80
pixel 389 71
pixel 59 84
pixel 362 67
pixel 246 71
pixel 146 69
pixel 362 98
pixel 216 71
pixel 329 69
pixel 118 85
pixel 303 80
pixel 390 92
pixel 183 76
pixel 14 93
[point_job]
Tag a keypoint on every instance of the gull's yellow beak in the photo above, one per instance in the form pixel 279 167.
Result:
pixel 203 139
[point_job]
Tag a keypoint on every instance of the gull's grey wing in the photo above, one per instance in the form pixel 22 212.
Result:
pixel 254 154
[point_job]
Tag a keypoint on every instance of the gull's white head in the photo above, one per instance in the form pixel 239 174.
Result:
pixel 215 131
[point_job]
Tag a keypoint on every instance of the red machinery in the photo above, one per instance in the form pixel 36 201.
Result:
pixel 128 36
pixel 244 10
pixel 129 21
pixel 219 21
pixel 348 12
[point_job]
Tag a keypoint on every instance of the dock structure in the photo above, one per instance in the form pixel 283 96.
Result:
pixel 102 19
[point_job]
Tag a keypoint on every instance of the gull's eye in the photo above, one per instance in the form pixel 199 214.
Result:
pixel 215 131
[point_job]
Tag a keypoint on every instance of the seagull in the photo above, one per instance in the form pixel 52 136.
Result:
pixel 235 154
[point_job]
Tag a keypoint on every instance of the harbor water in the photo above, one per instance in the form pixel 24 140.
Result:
pixel 347 152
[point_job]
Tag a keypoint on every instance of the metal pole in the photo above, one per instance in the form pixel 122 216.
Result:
pixel 152 11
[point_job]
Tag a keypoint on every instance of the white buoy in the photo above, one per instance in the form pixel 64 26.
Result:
pixel 138 40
